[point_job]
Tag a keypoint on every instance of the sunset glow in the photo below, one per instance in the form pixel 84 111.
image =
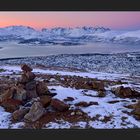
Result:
pixel 38 20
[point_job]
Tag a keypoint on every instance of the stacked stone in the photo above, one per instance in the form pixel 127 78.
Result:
pixel 28 80
pixel 28 99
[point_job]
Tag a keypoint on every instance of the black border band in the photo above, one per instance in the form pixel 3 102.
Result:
pixel 69 5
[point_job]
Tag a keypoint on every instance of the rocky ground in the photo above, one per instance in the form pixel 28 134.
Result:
pixel 50 98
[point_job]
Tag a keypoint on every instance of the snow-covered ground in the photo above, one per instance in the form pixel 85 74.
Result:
pixel 98 75
pixel 116 111
pixel 122 63
pixel 104 109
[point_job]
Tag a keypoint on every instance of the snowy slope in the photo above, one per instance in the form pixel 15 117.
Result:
pixel 21 31
pixel 130 37
pixel 119 116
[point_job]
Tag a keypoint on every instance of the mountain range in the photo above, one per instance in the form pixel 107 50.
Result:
pixel 67 36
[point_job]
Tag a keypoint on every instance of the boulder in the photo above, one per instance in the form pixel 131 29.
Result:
pixel 137 111
pixel 30 75
pixel 31 94
pixel 125 92
pixel 101 93
pixel 11 105
pixel 36 112
pixel 31 85
pixel 31 89
pixel 18 115
pixel 138 104
pixel 45 100
pixel 27 77
pixel 20 93
pixel 85 104
pixel 98 85
pixel 3 87
pixel 26 68
pixel 24 79
pixel 59 105
pixel 7 95
pixel 42 88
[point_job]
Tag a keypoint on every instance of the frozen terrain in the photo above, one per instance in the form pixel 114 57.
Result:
pixel 103 115
pixel 122 63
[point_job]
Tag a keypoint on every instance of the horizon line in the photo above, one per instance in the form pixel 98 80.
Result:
pixel 41 28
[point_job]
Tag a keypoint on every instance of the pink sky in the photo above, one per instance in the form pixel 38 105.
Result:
pixel 38 20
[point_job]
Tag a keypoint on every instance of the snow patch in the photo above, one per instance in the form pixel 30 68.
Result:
pixel 4 119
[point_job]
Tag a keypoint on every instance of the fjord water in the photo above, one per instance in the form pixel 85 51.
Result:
pixel 13 50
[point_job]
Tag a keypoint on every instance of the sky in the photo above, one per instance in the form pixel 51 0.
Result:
pixel 39 20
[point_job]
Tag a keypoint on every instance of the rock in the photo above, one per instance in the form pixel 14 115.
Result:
pixel 24 79
pixel 30 75
pixel 125 92
pixel 69 99
pixel 7 95
pixel 31 89
pixel 31 85
pixel 36 112
pixel 42 88
pixel 18 115
pixel 26 68
pixel 101 93
pixel 31 94
pixel 138 104
pixel 11 105
pixel 20 94
pixel 27 77
pixel 78 112
pixel 59 105
pixel 72 113
pixel 137 111
pixel 3 87
pixel 45 100
pixel 85 104
pixel 98 85
pixel 28 104
pixel 52 94
pixel 113 102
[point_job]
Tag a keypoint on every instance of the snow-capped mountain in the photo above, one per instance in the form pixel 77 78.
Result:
pixel 18 32
pixel 75 32
pixel 129 37
pixel 68 36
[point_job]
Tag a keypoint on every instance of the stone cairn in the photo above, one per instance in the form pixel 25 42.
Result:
pixel 29 99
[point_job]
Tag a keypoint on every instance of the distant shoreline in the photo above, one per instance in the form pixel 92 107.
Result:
pixel 89 54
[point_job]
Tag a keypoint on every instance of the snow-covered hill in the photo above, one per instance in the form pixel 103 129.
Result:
pixel 68 36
